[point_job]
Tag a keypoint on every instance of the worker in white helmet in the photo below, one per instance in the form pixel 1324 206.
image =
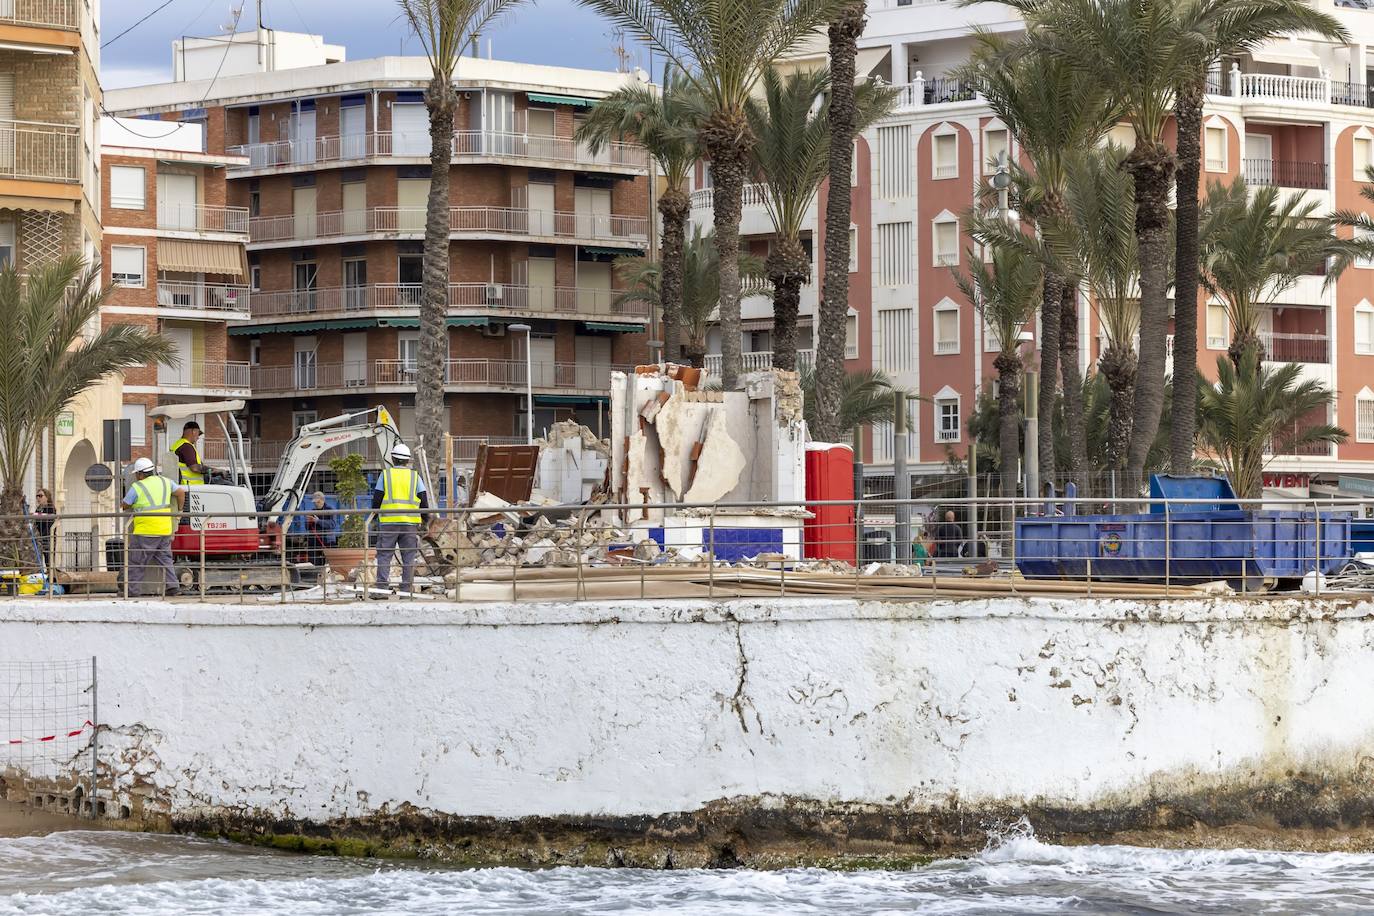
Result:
pixel 151 498
pixel 399 498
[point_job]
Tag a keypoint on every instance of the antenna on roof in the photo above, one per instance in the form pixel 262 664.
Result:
pixel 228 28
pixel 622 54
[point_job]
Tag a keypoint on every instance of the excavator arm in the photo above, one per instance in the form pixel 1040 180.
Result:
pixel 312 441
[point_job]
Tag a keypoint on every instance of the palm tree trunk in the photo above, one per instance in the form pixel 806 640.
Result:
pixel 844 33
pixel 787 267
pixel 1152 167
pixel 727 141
pixel 1050 302
pixel 1183 417
pixel 694 352
pixel 429 388
pixel 1008 366
pixel 1118 366
pixel 1073 386
pixel 674 207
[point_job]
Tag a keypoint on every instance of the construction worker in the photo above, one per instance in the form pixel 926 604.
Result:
pixel 187 452
pixel 399 498
pixel 151 498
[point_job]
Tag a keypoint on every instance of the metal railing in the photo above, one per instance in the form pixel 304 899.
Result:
pixel 755 195
pixel 196 218
pixel 40 151
pixel 206 297
pixel 760 359
pixel 462 220
pixel 1295 348
pixel 909 549
pixel 193 374
pixel 404 299
pixel 57 14
pixel 500 374
pixel 1285 174
pixel 466 144
pixel 938 90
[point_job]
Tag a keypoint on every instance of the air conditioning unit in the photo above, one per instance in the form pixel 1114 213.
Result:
pixel 494 292
pixel 493 330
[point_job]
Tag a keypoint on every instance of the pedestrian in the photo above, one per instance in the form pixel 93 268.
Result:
pixel 949 537
pixel 399 498
pixel 45 516
pixel 321 528
pixel 193 471
pixel 151 498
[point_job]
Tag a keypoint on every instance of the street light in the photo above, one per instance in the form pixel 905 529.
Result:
pixel 1030 464
pixel 529 382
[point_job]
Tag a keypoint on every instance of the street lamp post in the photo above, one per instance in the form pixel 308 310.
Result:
pixel 529 382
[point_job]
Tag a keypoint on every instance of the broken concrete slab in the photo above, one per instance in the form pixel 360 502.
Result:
pixel 720 464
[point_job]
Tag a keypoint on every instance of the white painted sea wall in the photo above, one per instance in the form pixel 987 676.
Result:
pixel 643 708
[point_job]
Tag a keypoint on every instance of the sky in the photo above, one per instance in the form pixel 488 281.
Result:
pixel 555 32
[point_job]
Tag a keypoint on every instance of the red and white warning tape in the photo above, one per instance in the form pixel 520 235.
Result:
pixel 71 734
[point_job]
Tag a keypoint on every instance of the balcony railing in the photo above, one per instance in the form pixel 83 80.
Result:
pixel 55 14
pixel 1285 174
pixel 505 374
pixel 466 143
pixel 192 218
pixel 268 452
pixel 39 151
pixel 202 374
pixel 755 195
pixel 761 359
pixel 205 297
pixel 411 220
pixel 404 299
pixel 1295 348
pixel 934 91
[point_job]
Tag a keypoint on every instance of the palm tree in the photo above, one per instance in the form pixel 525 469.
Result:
pixel 866 397
pixel 1054 110
pixel 1256 244
pixel 790 155
pixel 664 123
pixel 723 50
pixel 1253 411
pixel 846 25
pixel 47 362
pixel 1005 294
pixel 445 29
pixel 1215 29
pixel 643 279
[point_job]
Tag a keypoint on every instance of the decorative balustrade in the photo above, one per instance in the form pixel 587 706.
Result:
pixel 594 227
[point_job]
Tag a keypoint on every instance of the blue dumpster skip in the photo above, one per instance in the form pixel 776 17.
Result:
pixel 1200 546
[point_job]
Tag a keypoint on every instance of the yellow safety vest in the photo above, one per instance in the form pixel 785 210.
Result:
pixel 152 507
pixel 400 497
pixel 188 476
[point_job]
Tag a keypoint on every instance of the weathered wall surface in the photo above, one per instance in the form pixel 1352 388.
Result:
pixel 641 709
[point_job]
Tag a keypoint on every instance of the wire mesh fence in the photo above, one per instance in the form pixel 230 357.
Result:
pixel 935 544
pixel 48 725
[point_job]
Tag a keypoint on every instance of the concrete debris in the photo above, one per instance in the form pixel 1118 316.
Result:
pixel 566 431
pixel 787 392
pixel 720 464
pixel 891 569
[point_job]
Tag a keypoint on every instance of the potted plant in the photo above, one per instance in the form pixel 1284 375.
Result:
pixel 351 549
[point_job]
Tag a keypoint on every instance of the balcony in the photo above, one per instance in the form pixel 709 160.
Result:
pixel 219 302
pixel 199 375
pixel 938 90
pixel 1289 90
pixel 761 359
pixel 47 14
pixel 628 231
pixel 467 144
pixel 1295 348
pixel 192 218
pixel 403 299
pixel 267 453
pixel 39 151
pixel 1285 174
pixel 462 374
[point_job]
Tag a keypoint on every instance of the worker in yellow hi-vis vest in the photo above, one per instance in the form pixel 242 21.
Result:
pixel 151 498
pixel 399 499
pixel 187 452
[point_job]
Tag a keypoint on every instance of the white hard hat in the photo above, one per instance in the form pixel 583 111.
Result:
pixel 143 465
pixel 400 452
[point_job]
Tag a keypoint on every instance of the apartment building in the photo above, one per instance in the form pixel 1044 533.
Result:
pixel 330 161
pixel 175 254
pixel 49 199
pixel 1297 114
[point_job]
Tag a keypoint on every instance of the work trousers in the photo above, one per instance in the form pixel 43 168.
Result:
pixel 390 538
pixel 150 558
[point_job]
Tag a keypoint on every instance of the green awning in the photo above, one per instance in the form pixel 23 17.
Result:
pixel 612 326
pixel 296 327
pixel 614 252
pixel 448 322
pixel 468 322
pixel 568 399
pixel 560 99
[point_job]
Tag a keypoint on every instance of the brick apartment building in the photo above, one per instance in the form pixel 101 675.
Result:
pixel 330 161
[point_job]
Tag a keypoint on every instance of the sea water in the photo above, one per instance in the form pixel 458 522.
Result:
pixel 76 873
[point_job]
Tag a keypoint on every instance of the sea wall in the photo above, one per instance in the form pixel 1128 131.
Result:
pixel 693 730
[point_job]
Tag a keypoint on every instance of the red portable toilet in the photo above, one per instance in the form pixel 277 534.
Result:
pixel 829 534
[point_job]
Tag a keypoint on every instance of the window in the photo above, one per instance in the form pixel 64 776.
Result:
pixel 992 343
pixel 853 249
pixel 1214 148
pixel 255 278
pixel 947 419
pixel 1218 327
pixel 1364 416
pixel 138 423
pixel 1364 327
pixel 894 253
pixel 894 159
pixel 1366 236
pixel 898 345
pixel 305 364
pixel 408 350
pixel 301 418
pixel 851 336
pixel 946 157
pixel 1362 153
pixel 946 241
pixel 947 327
pixel 255 352
pixel 996 143
pixel 854 166
pixel 127 191
pixel 254 203
pixel 7 237
pixel 127 265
